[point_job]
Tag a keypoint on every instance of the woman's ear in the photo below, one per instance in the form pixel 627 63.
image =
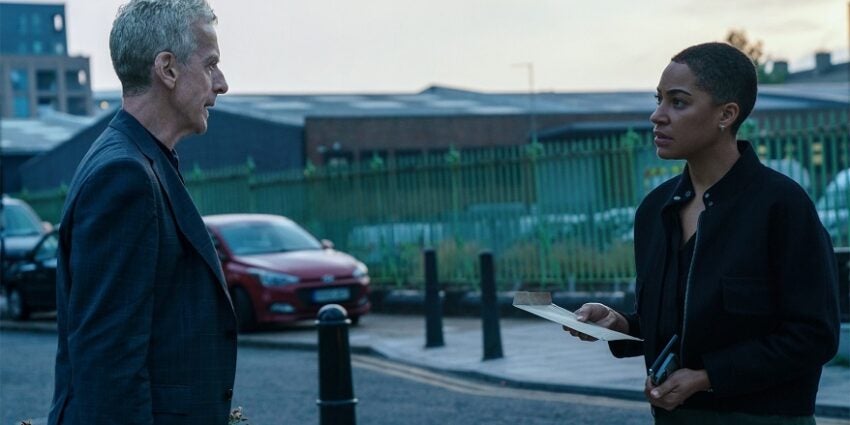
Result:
pixel 165 69
pixel 728 114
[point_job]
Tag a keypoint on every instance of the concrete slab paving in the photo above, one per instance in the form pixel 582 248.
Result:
pixel 537 354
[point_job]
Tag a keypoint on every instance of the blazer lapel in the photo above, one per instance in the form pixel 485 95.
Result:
pixel 186 214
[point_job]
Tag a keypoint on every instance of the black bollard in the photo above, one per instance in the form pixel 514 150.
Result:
pixel 433 303
pixel 490 309
pixel 336 392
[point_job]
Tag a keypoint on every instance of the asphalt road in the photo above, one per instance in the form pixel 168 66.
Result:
pixel 280 387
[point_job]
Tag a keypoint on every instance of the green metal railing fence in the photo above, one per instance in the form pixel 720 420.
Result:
pixel 556 215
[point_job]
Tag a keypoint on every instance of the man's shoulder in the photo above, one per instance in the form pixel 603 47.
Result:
pixel 114 154
pixel 112 145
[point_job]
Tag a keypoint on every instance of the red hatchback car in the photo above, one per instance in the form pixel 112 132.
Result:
pixel 279 273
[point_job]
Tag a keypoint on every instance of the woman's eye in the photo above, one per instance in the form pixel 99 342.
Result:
pixel 678 103
pixel 657 99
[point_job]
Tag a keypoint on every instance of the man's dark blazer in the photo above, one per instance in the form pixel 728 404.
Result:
pixel 147 333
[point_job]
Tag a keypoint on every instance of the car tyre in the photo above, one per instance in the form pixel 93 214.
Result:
pixel 244 309
pixel 17 305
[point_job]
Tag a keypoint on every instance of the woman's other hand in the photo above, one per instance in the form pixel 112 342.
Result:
pixel 680 386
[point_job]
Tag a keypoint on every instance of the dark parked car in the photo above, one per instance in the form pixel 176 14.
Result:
pixel 20 230
pixel 279 273
pixel 30 283
pixel 834 208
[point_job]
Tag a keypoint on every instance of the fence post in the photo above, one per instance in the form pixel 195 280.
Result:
pixel 336 392
pixel 490 309
pixel 842 258
pixel 433 303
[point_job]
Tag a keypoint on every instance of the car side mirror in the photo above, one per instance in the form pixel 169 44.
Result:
pixel 327 244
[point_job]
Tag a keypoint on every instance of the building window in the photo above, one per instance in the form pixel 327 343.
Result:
pixel 21 106
pixel 23 24
pixel 77 105
pixel 48 102
pixel 20 80
pixel 408 157
pixel 338 158
pixel 45 80
pixel 58 22
pixel 36 23
pixel 59 48
pixel 37 47
pixel 76 80
pixel 368 154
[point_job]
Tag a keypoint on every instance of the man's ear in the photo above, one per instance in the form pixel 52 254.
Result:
pixel 728 114
pixel 165 69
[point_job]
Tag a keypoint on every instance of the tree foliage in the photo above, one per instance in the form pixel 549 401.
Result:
pixel 755 50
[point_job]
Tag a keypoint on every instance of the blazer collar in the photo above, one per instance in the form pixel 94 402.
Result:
pixel 185 213
pixel 727 187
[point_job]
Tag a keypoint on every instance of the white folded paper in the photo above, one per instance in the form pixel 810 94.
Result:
pixel 540 304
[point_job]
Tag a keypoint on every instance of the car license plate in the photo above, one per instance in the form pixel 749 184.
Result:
pixel 331 294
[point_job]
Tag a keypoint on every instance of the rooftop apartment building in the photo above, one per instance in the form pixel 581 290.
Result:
pixel 36 71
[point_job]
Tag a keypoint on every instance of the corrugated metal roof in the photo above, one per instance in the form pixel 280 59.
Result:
pixel 40 134
pixel 294 109
pixel 442 101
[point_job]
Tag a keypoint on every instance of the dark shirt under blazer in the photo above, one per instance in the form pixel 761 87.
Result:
pixel 147 333
pixel 761 310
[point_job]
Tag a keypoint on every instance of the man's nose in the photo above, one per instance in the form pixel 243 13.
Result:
pixel 220 84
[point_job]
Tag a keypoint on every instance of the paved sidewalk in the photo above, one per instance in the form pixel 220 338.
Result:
pixel 538 354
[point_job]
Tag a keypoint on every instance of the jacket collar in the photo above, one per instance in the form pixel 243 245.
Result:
pixel 185 213
pixel 724 189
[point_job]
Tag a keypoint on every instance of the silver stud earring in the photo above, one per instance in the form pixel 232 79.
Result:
pixel 722 127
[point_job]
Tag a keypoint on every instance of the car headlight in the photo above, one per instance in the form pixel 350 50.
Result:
pixel 268 278
pixel 360 270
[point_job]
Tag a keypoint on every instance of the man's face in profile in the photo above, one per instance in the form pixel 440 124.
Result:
pixel 199 80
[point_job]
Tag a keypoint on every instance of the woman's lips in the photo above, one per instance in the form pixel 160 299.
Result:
pixel 662 138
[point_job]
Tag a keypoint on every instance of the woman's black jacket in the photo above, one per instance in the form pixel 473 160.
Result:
pixel 761 302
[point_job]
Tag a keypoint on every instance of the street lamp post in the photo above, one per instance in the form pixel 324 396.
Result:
pixel 529 66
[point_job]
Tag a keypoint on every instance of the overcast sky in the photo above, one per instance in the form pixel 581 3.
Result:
pixel 319 46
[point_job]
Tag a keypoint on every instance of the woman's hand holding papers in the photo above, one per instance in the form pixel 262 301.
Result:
pixel 601 315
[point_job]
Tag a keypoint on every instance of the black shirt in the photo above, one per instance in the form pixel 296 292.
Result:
pixel 676 269
pixel 170 154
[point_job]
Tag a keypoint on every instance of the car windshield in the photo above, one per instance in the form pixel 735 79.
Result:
pixel 834 200
pixel 17 221
pixel 264 237
pixel 837 193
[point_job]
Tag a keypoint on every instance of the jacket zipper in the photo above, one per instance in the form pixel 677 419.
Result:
pixel 687 292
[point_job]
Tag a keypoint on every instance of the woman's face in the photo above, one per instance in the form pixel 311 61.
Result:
pixel 686 119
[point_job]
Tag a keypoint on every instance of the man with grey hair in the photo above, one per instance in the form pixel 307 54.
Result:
pixel 147 332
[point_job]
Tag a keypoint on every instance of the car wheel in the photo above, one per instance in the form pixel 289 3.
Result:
pixel 244 309
pixel 16 305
